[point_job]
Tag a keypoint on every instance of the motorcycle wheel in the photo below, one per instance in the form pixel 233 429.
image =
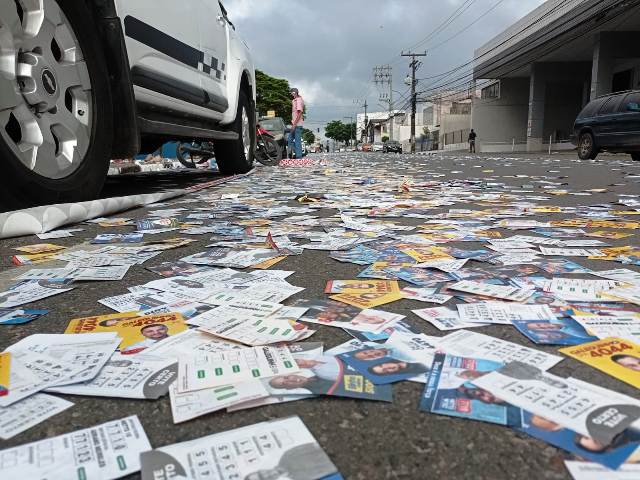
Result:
pixel 184 156
pixel 270 153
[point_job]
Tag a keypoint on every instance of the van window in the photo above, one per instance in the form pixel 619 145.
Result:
pixel 610 106
pixel 591 108
pixel 631 103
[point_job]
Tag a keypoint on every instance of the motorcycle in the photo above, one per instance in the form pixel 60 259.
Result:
pixel 268 150
pixel 192 154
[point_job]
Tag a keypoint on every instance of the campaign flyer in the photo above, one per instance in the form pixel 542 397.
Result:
pixel 615 356
pixel 137 333
pixel 28 413
pixel 282 448
pixel 108 238
pixel 40 248
pixel 108 451
pixel 449 392
pixel 384 335
pixel 29 291
pixel 361 286
pixel 562 331
pixel 611 456
pixel 5 373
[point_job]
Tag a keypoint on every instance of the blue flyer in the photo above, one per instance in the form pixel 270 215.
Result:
pixel 11 316
pixel 382 364
pixel 563 331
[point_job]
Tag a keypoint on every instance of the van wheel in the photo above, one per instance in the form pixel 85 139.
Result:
pixel 586 147
pixel 236 156
pixel 635 156
pixel 56 116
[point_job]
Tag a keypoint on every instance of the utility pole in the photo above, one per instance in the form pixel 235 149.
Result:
pixel 382 76
pixel 415 64
pixel 366 120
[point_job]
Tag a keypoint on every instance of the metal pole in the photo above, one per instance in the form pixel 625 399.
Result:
pixel 391 122
pixel 550 137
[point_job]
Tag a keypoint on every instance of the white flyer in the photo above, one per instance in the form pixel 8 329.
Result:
pixel 628 294
pixel 426 295
pixel 444 318
pixel 504 292
pixel 502 312
pixel 620 275
pixel 128 376
pixel 143 300
pixel 58 234
pixel 279 449
pixel 30 291
pixel 252 332
pixel 571 252
pixel 187 406
pixel 47 274
pixel 28 413
pixel 477 345
pixel 209 370
pixel 595 471
pixel 32 372
pixel 444 265
pixel 578 290
pixel 185 287
pixel 595 413
pixel 89 351
pixel 114 272
pixel 190 341
pixel 627 327
pixel 104 452
pixel 413 347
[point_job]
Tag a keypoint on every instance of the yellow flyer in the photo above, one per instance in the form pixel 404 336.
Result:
pixel 40 248
pixel 136 332
pixel 610 235
pixel 427 254
pixel 362 286
pixel 268 263
pixel 5 373
pixel 614 356
pixel 367 300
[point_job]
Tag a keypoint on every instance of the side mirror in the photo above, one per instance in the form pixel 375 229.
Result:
pixel 633 107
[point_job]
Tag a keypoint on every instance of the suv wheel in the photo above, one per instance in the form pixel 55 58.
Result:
pixel 55 104
pixel 586 147
pixel 236 156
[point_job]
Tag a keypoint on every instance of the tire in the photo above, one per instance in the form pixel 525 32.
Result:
pixel 230 154
pixel 48 182
pixel 272 155
pixel 185 157
pixel 635 156
pixel 587 147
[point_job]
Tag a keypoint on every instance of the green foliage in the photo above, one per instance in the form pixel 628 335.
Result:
pixel 273 94
pixel 385 139
pixel 308 136
pixel 341 132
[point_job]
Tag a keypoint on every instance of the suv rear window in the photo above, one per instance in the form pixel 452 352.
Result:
pixel 630 98
pixel 610 106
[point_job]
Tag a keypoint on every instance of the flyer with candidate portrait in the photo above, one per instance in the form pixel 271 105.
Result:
pixel 617 357
pixel 137 332
pixel 561 331
pixel 282 448
pixel 449 392
pixel 12 316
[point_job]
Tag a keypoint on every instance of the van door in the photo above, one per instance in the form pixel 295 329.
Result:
pixel 213 25
pixel 163 47
pixel 606 123
pixel 629 121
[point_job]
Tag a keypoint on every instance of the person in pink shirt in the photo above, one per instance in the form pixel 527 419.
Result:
pixel 297 121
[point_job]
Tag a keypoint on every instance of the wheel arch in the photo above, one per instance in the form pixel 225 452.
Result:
pixel 126 136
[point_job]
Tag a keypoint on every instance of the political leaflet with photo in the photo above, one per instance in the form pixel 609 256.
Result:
pixel 107 238
pixel 29 291
pixel 360 286
pixel 47 274
pixel 104 452
pixel 503 292
pixel 139 376
pixel 449 392
pixel 187 308
pixel 5 373
pixel 466 343
pixel 562 266
pixel 617 357
pixel 627 327
pixel 282 448
pixel 402 357
pixel 136 332
pixel 209 370
pixel 401 326
pixel 427 295
pixel 444 318
pixel 28 413
pixel 338 314
pixel 190 405
pixel 87 350
pixel 502 312
pixel 561 331
pixel 11 316
pixel 597 415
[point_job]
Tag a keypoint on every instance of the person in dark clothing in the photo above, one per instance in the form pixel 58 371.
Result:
pixel 472 141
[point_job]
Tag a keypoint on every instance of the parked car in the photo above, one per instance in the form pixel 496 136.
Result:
pixel 277 127
pixel 367 147
pixel 86 81
pixel 392 146
pixel 611 123
pixel 377 147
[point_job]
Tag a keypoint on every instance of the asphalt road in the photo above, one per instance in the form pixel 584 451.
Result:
pixel 366 440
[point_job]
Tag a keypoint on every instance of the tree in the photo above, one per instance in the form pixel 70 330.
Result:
pixel 273 94
pixel 340 132
pixel 385 139
pixel 308 136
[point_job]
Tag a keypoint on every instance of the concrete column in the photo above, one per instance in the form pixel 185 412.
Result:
pixel 537 90
pixel 603 62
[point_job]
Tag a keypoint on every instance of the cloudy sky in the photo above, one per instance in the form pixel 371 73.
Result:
pixel 328 48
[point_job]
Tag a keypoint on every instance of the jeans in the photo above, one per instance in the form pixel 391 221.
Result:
pixel 295 141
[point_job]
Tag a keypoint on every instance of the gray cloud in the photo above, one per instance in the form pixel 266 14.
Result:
pixel 328 48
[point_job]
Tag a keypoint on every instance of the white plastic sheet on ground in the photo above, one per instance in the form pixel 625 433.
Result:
pixel 46 218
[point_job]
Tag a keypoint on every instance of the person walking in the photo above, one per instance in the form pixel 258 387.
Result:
pixel 472 141
pixel 297 121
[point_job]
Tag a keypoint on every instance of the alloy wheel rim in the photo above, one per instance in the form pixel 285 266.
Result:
pixel 46 101
pixel 586 145
pixel 246 133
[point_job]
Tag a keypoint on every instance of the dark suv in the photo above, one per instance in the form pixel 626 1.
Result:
pixel 610 123
pixel 392 146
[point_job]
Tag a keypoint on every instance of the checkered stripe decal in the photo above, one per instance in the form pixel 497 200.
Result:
pixel 212 67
